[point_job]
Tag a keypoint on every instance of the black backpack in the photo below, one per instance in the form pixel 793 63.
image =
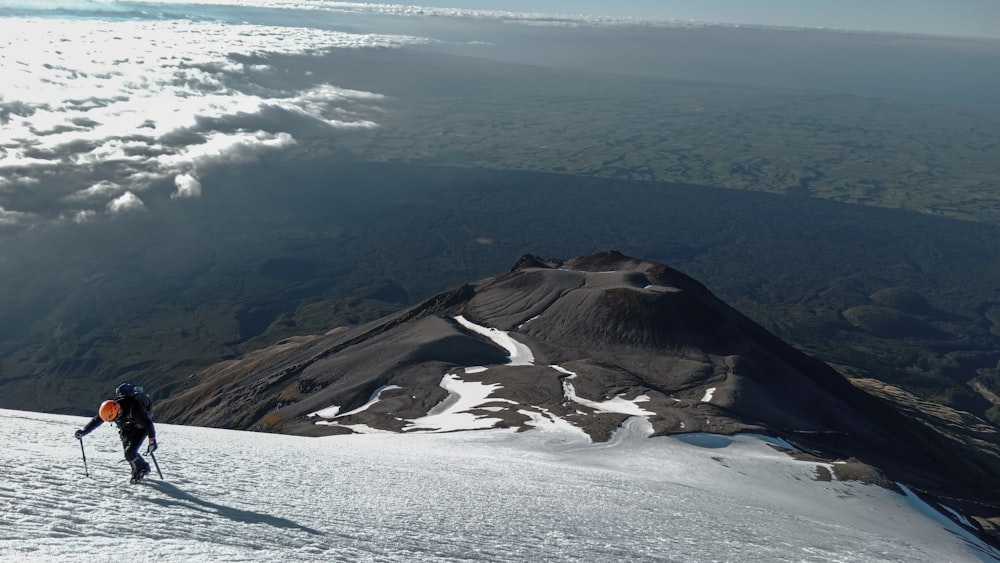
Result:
pixel 137 393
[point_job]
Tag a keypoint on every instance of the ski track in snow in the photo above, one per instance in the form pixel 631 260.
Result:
pixel 492 495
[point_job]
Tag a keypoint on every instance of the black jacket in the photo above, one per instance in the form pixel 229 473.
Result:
pixel 133 420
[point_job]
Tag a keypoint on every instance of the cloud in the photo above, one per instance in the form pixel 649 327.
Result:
pixel 187 187
pixel 95 110
pixel 101 190
pixel 126 202
pixel 80 216
pixel 535 18
pixel 222 148
pixel 13 218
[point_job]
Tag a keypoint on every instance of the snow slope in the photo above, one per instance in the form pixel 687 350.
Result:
pixel 489 495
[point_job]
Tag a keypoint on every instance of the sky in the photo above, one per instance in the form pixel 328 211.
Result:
pixel 497 495
pixel 963 18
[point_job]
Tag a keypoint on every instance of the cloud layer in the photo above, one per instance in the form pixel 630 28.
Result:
pixel 536 18
pixel 94 113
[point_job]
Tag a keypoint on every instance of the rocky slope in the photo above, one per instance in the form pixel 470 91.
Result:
pixel 588 341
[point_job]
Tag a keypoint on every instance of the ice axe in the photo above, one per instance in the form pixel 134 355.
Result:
pixel 86 472
pixel 153 457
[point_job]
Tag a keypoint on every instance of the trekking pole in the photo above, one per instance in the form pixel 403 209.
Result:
pixel 86 472
pixel 153 456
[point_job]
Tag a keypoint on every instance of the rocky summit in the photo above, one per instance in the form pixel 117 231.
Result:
pixel 588 342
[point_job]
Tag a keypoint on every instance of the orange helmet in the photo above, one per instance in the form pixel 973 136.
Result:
pixel 109 411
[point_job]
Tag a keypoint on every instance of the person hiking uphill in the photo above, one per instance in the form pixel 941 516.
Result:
pixel 134 425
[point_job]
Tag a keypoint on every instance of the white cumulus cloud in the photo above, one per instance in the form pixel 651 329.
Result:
pixel 187 186
pixel 128 201
pixel 220 148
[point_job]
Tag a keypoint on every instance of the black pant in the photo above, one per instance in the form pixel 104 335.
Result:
pixel 131 440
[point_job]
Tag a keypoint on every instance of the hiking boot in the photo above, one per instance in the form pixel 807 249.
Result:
pixel 136 477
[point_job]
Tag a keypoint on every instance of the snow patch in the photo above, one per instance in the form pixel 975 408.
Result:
pixel 329 412
pixel 452 413
pixel 371 400
pixel 334 411
pixel 617 404
pixel 545 421
pixel 527 321
pixel 708 395
pixel 520 354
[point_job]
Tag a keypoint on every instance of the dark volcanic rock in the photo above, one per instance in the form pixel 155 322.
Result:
pixel 603 329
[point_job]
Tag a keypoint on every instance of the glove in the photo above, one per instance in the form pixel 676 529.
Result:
pixel 79 434
pixel 151 447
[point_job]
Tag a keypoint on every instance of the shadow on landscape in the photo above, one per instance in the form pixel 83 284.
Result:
pixel 703 440
pixel 187 500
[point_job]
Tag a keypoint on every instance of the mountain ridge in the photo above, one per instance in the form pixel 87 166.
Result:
pixel 600 328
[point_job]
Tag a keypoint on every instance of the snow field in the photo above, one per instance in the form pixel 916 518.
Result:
pixel 490 495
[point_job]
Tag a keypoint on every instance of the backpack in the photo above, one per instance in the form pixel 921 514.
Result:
pixel 136 392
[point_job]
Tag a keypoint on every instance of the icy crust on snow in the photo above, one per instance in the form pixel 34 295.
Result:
pixel 495 495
